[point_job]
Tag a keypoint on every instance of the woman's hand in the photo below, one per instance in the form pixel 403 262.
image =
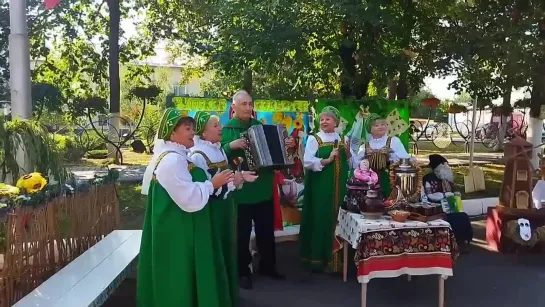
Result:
pixel 222 178
pixel 249 176
pixel 238 179
pixel 334 154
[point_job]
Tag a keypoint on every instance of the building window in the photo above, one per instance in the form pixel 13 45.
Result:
pixel 522 176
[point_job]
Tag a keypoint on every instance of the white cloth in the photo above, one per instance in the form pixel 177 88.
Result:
pixel 310 161
pixel 215 154
pixel 159 147
pixel 538 194
pixel 356 134
pixel 398 150
pixel 173 174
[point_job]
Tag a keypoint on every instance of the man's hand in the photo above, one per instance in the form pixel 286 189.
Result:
pixel 222 178
pixel 249 176
pixel 238 144
pixel 289 142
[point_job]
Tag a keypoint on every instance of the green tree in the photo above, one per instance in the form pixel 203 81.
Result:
pixel 301 47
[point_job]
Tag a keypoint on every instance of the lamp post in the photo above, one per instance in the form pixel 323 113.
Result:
pixel 19 61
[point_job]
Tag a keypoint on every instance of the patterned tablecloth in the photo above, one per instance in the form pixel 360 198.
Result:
pixel 385 248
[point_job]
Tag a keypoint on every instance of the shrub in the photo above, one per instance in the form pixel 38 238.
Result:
pixel 69 148
pixel 97 154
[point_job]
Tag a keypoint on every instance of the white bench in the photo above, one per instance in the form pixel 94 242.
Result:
pixel 92 277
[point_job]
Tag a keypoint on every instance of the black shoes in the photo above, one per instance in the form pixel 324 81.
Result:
pixel 245 282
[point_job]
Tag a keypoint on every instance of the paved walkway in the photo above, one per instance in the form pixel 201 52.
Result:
pixel 127 173
pixel 482 278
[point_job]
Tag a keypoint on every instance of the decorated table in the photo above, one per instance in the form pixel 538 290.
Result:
pixel 387 249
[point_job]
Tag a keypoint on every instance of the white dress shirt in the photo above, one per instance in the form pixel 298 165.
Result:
pixel 310 161
pixel 215 154
pixel 173 175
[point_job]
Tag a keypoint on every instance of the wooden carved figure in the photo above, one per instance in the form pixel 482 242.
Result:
pixel 516 190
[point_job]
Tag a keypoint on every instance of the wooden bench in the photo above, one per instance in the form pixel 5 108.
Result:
pixel 92 277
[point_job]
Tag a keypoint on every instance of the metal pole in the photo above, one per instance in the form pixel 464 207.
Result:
pixel 473 128
pixel 19 61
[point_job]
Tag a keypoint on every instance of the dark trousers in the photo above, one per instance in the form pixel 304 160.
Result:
pixel 461 226
pixel 262 215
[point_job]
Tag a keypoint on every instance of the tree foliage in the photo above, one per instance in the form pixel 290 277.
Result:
pixel 301 46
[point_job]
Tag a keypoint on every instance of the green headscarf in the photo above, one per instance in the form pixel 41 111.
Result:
pixel 168 121
pixel 331 111
pixel 201 118
pixel 370 120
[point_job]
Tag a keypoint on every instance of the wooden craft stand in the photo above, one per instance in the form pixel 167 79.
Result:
pixel 498 216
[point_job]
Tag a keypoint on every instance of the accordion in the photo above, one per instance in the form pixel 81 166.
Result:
pixel 266 147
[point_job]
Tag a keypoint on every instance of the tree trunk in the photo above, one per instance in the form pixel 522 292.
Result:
pixel 115 19
pixel 248 81
pixel 392 88
pixel 402 85
pixel 535 126
pixel 503 123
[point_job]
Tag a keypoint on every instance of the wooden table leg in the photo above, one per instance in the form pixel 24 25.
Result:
pixel 345 260
pixel 363 294
pixel 442 291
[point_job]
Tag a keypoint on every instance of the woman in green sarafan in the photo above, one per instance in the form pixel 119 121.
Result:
pixel 208 155
pixel 327 162
pixel 180 262
pixel 380 149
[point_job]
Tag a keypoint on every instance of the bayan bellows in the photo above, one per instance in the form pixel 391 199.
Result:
pixel 266 148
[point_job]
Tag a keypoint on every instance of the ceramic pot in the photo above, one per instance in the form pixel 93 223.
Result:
pixel 355 194
pixel 373 207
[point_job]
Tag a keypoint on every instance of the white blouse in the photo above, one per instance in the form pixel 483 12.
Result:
pixel 310 161
pixel 173 175
pixel 398 150
pixel 214 153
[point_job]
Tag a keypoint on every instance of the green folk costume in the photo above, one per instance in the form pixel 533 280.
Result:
pixel 324 192
pixel 186 258
pixel 379 162
pixel 252 192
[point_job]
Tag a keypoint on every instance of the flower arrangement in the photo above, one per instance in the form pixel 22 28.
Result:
pixel 33 189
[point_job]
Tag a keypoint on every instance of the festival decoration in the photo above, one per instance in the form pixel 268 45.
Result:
pixel 456 108
pixel 31 183
pixel 50 4
pixel 431 102
pixel 396 124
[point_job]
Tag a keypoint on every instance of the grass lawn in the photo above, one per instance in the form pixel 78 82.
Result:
pixel 426 148
pixel 129 158
pixel 493 176
pixel 132 205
